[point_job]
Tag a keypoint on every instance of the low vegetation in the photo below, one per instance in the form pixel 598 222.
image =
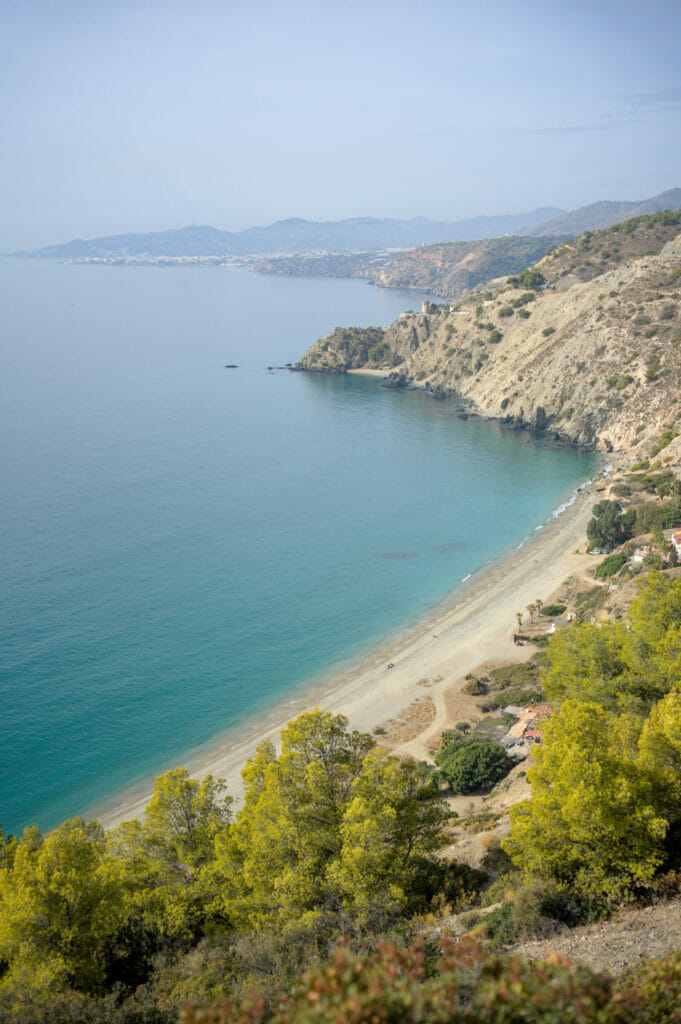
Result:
pixel 459 986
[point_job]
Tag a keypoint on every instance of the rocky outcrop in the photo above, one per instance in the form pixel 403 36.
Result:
pixel 595 362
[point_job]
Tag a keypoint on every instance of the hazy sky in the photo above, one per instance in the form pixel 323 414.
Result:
pixel 138 115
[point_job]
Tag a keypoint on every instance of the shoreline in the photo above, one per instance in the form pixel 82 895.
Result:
pixel 474 623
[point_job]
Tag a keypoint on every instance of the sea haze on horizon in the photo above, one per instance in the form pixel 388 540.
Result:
pixel 183 544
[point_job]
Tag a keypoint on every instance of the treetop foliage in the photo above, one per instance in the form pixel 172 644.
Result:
pixel 604 529
pixel 604 813
pixel 334 835
pixel 468 765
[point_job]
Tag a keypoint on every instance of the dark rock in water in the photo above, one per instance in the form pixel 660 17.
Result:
pixel 438 392
pixel 396 380
pixel 541 420
pixel 462 415
pixel 231 366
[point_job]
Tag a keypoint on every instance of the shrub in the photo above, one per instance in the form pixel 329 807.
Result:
pixel 496 861
pixel 533 279
pixel 540 908
pixel 524 674
pixel 495 336
pixel 524 314
pixel 522 299
pixel 475 688
pixel 653 991
pixel 506 311
pixel 514 695
pixel 497 927
pixel 610 565
pixel 551 610
pixel 470 765
pixel 621 490
pixel 504 403
pixel 548 330
pixel 667 437
pixel 388 984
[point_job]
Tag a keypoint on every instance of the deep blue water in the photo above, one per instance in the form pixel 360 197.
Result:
pixel 183 544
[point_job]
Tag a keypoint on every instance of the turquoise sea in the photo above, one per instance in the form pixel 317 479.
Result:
pixel 183 544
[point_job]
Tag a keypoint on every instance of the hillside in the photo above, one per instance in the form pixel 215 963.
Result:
pixel 605 214
pixel 450 270
pixel 597 360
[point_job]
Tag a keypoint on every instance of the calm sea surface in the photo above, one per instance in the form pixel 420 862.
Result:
pixel 182 544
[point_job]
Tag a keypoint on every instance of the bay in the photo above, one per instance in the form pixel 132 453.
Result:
pixel 182 544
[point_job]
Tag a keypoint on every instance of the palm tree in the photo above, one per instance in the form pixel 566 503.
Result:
pixel 519 617
pixel 530 609
pixel 538 601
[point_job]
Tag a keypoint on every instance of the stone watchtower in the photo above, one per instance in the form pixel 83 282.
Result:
pixel 425 307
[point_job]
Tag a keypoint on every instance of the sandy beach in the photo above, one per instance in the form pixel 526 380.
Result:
pixel 475 625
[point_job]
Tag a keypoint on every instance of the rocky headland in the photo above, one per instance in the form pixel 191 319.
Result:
pixel 586 345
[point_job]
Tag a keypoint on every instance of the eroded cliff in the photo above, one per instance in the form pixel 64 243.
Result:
pixel 592 354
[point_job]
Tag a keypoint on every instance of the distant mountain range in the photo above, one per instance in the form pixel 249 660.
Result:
pixel 352 235
pixel 299 236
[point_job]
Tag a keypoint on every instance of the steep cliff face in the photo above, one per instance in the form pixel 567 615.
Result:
pixel 598 362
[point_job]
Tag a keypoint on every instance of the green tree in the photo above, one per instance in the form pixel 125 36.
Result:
pixel 392 820
pixel 60 904
pixel 604 529
pixel 185 815
pixel 660 753
pixel 585 662
pixel 589 823
pixel 307 814
pixel 166 864
pixel 622 667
